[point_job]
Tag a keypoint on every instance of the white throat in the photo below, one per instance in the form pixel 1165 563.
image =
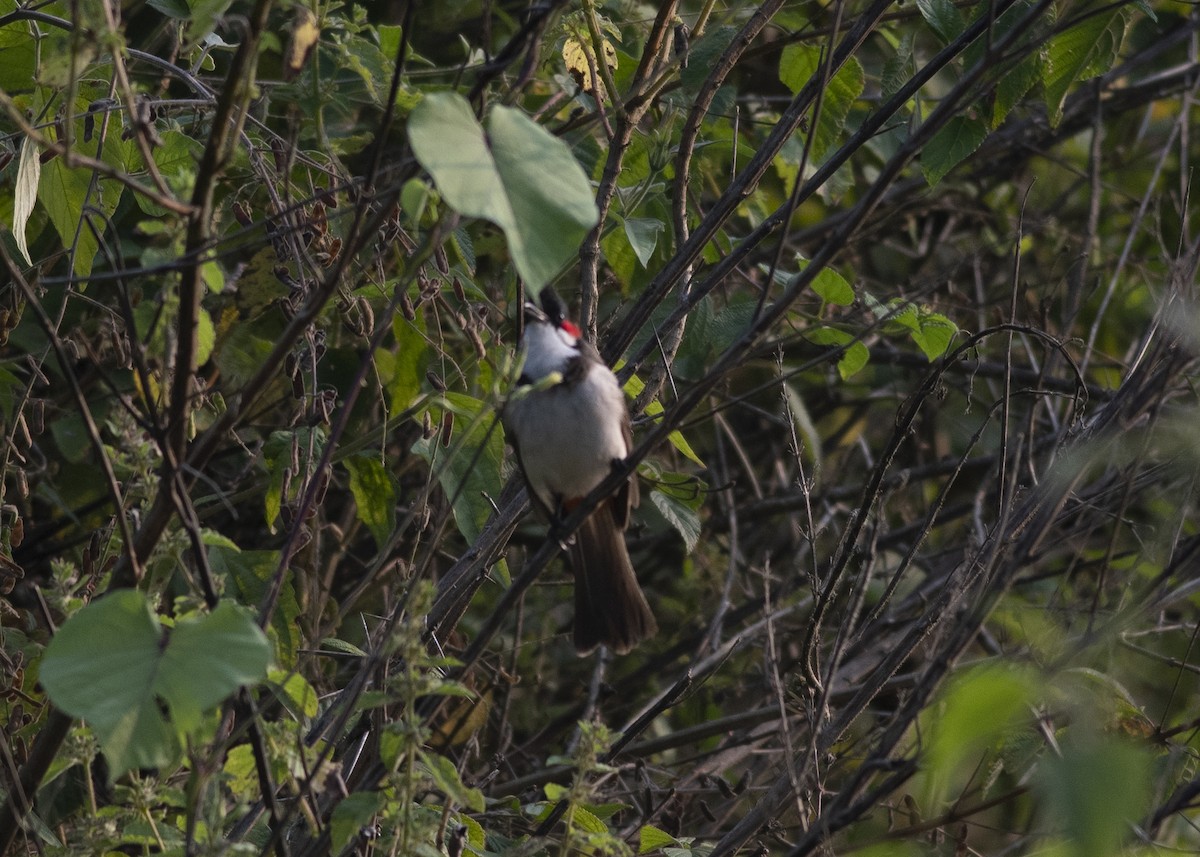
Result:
pixel 547 349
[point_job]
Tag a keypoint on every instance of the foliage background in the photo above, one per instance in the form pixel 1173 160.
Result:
pixel 904 296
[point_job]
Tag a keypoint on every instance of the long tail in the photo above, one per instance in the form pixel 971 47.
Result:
pixel 610 607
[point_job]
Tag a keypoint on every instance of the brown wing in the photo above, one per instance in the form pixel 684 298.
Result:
pixel 626 497
pixel 533 497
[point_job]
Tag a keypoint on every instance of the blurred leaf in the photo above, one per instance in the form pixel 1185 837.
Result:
pixel 446 779
pixel 805 427
pixel 11 388
pixel 1096 792
pixel 407 369
pixel 249 574
pixel 351 815
pixel 468 468
pixel 177 9
pixel 517 175
pixel 303 38
pixel 241 353
pixel 296 694
pixel 973 711
pixel 374 495
pixel 205 337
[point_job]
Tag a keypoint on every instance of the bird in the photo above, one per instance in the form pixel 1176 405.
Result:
pixel 569 427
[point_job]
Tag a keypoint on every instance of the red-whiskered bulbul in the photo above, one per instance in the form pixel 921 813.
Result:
pixel 567 438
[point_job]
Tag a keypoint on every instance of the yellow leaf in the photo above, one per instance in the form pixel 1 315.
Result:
pixel 305 34
pixel 581 62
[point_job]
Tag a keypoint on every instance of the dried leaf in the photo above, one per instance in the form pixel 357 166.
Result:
pixel 29 173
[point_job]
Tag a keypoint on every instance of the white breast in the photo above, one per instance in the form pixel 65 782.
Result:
pixel 570 434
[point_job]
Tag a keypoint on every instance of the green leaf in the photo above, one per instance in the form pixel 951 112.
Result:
pixel 296 694
pixel 853 360
pixel 620 256
pixel 108 666
pixel 445 777
pixel 469 467
pixel 11 391
pixel 351 815
pixel 799 64
pixel 1078 53
pixel 407 367
pixel 703 55
pixel 206 337
pixel 943 17
pixel 931 331
pixel 805 427
pixel 19 50
pixel 642 233
pixel 416 196
pixel 241 770
pixel 831 286
pixel 934 334
pixel 679 500
pixel 208 658
pixel 242 352
pixel 99 666
pixel 177 9
pixel 517 175
pixel 282 449
pixel 334 644
pixel 1018 79
pixel 1097 791
pixel 855 355
pixel 650 838
pixel 1013 87
pixel 633 389
pixel 63 193
pixel 176 162
pixel 957 139
pixel 374 495
pixel 586 820
pixel 898 68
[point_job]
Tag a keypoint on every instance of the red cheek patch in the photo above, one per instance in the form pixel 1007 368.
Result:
pixel 572 328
